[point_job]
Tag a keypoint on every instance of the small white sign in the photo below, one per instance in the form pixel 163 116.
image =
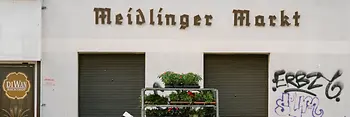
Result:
pixel 126 114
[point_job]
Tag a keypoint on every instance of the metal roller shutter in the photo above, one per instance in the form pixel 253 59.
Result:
pixel 110 84
pixel 242 81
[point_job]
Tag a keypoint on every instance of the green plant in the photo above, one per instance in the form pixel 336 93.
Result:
pixel 156 112
pixel 206 112
pixel 174 96
pixel 155 99
pixel 182 96
pixel 208 96
pixel 170 78
pixel 191 78
pixel 198 97
pixel 204 96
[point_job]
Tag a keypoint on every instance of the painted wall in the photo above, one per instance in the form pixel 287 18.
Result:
pixel 320 43
pixel 318 89
pixel 20 30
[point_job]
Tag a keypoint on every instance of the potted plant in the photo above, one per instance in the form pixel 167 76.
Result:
pixel 181 97
pixel 156 112
pixel 171 79
pixel 174 112
pixel 191 80
pixel 207 112
pixel 155 99
pixel 193 113
pixel 204 97
pixel 176 80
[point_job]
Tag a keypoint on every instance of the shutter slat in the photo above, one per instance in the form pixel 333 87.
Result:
pixel 242 81
pixel 110 84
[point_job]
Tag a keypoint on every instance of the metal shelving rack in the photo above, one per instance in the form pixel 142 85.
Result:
pixel 143 105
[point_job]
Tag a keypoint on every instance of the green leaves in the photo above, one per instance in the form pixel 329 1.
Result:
pixel 208 96
pixel 202 96
pixel 169 77
pixel 191 78
pixel 172 78
pixel 156 99
pixel 180 96
pixel 174 97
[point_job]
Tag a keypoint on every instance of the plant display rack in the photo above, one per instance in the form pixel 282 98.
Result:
pixel 179 104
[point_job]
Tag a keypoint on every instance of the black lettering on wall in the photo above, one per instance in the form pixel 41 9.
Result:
pixel 119 19
pixel 129 16
pixel 103 15
pixel 160 22
pixel 151 17
pixel 259 20
pixel 208 19
pixel 337 84
pixel 241 16
pixel 170 17
pixel 302 82
pixel 313 83
pixel 284 19
pixel 140 18
pixel 184 21
pixel 197 20
pixel 290 76
pixel 296 18
pixel 272 20
pixel 277 79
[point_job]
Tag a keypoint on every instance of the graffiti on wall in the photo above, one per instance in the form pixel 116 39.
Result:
pixel 298 98
pixel 294 105
pixel 306 82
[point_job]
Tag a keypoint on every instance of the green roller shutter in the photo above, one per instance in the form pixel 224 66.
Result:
pixel 242 81
pixel 110 84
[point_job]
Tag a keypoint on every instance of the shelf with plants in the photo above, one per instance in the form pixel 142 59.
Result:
pixel 181 112
pixel 180 80
pixel 192 97
pixel 180 102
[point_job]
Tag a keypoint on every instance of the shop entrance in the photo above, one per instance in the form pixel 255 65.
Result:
pixel 109 84
pixel 17 90
pixel 242 81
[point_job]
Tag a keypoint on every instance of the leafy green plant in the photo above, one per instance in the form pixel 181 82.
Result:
pixel 204 96
pixel 174 96
pixel 170 78
pixel 198 97
pixel 156 112
pixel 181 96
pixel 191 78
pixel 206 112
pixel 155 99
pixel 208 96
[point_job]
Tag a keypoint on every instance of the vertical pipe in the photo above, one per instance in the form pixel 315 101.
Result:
pixel 142 103
pixel 217 102
pixel 35 83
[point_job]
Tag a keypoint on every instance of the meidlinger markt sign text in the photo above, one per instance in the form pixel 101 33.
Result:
pixel 159 17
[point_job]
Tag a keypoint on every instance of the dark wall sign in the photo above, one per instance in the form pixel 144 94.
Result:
pixel 158 17
pixel 17 92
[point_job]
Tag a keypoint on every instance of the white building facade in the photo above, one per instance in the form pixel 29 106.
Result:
pixel 267 58
pixel 20 56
